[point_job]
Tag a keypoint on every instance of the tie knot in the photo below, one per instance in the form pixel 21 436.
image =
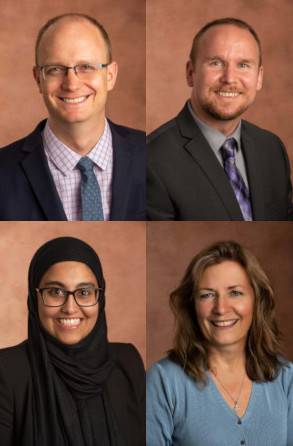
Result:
pixel 228 148
pixel 85 164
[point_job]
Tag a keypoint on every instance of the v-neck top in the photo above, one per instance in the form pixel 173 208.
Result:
pixel 182 413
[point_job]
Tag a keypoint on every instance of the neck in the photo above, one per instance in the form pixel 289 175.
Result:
pixel 225 127
pixel 78 137
pixel 229 360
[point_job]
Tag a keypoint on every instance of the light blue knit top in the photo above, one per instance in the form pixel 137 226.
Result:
pixel 180 412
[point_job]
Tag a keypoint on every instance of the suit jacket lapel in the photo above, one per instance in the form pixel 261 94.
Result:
pixel 38 174
pixel 122 166
pixel 199 149
pixel 253 166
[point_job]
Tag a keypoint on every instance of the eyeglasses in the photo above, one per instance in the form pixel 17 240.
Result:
pixel 56 297
pixel 83 71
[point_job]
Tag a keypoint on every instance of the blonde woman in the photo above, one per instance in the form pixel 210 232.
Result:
pixel 224 382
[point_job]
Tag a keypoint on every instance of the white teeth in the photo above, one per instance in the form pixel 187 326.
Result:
pixel 227 95
pixel 224 323
pixel 69 322
pixel 75 100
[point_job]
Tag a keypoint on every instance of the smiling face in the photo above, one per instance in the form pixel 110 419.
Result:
pixel 71 42
pixel 226 75
pixel 69 323
pixel 224 305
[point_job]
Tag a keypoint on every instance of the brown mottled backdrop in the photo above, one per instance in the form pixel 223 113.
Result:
pixel 121 248
pixel 171 246
pixel 20 20
pixel 171 26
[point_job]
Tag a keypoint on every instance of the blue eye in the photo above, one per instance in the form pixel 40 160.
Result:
pixel 85 68
pixel 205 296
pixel 216 64
pixel 54 70
pixel 236 293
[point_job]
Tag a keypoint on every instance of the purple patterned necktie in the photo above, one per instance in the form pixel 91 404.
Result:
pixel 235 178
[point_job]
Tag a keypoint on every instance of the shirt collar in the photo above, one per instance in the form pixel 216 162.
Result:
pixel 66 159
pixel 213 137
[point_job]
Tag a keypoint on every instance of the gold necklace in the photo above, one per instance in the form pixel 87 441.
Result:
pixel 236 407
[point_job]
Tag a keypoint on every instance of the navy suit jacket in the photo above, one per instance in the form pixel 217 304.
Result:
pixel 185 180
pixel 28 192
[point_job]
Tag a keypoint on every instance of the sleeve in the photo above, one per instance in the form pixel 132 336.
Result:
pixel 6 410
pixel 289 386
pixel 159 408
pixel 289 185
pixel 159 205
pixel 139 369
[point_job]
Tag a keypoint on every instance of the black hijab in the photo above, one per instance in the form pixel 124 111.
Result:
pixel 71 405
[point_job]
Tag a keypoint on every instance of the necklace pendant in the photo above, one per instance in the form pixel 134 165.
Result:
pixel 236 408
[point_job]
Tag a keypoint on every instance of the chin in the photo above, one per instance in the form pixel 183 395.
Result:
pixel 73 119
pixel 69 341
pixel 221 114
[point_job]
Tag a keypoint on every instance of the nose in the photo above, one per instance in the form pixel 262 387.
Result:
pixel 221 305
pixel 229 75
pixel 71 81
pixel 70 306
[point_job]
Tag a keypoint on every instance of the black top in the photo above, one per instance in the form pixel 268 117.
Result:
pixel 126 388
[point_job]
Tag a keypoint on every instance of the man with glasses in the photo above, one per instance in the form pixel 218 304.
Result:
pixel 77 165
pixel 207 163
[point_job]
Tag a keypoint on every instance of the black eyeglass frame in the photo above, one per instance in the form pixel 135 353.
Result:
pixel 68 293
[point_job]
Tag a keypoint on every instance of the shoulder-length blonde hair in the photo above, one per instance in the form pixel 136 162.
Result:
pixel 262 347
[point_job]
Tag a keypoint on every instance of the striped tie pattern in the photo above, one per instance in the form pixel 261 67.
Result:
pixel 91 200
pixel 235 178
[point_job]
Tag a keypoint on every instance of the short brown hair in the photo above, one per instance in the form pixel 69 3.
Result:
pixel 263 341
pixel 78 17
pixel 226 21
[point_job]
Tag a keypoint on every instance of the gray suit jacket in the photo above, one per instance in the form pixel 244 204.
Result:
pixel 185 181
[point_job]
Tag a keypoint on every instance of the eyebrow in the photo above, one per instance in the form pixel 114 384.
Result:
pixel 228 288
pixel 214 58
pixel 247 61
pixel 81 284
pixel 211 58
pixel 80 62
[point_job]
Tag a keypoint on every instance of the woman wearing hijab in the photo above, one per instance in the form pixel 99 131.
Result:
pixel 224 382
pixel 66 385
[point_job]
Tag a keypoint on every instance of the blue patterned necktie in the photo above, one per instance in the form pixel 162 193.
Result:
pixel 235 178
pixel 91 201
